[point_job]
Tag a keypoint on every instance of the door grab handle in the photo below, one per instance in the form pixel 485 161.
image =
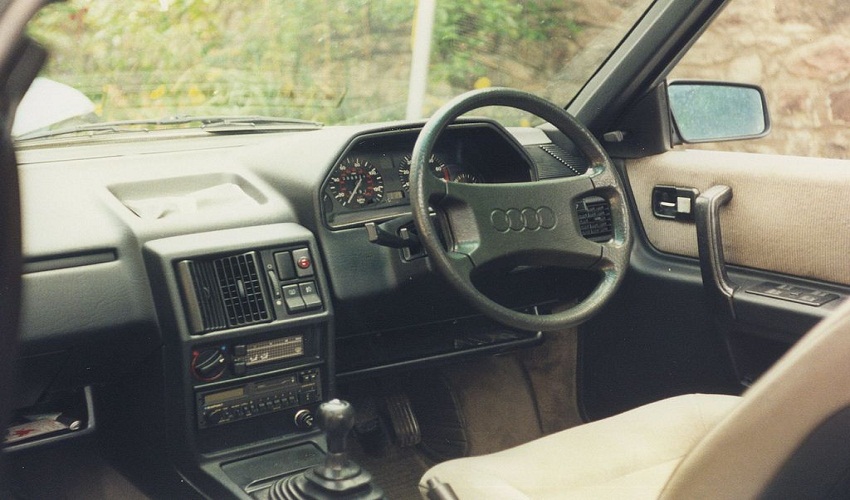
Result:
pixel 710 244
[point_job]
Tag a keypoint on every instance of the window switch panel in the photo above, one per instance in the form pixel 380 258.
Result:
pixel 791 293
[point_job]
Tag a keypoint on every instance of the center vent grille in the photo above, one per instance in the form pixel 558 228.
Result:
pixel 594 218
pixel 224 293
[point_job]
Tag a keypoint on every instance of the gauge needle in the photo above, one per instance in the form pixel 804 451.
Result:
pixel 354 191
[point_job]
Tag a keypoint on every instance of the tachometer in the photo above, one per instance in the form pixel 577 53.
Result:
pixel 449 173
pixel 356 183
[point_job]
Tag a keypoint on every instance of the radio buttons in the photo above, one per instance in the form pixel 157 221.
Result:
pixel 308 397
pixel 308 376
pixel 237 403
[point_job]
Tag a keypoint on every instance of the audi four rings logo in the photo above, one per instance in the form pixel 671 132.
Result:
pixel 527 219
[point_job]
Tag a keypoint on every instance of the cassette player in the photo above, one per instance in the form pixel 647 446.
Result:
pixel 232 404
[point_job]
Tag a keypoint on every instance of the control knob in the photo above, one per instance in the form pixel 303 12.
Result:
pixel 213 417
pixel 304 420
pixel 208 364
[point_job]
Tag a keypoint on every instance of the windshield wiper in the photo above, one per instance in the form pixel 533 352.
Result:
pixel 212 124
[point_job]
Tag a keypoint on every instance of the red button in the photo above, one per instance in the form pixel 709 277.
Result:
pixel 303 262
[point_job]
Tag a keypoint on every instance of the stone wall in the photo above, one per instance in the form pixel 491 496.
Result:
pixel 799 52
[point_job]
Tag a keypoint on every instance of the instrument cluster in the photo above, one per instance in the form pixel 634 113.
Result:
pixel 371 180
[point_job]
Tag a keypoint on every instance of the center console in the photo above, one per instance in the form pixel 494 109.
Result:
pixel 247 355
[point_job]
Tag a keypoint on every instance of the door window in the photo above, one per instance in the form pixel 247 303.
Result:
pixel 799 53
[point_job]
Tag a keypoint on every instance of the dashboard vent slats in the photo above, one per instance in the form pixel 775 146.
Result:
pixel 205 283
pixel 241 290
pixel 594 217
pixel 224 293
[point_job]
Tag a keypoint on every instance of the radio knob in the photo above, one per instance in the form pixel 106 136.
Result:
pixel 213 417
pixel 304 420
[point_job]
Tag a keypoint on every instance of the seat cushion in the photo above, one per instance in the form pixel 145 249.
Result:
pixel 630 455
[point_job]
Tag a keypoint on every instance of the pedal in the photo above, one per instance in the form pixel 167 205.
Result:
pixel 403 421
pixel 368 429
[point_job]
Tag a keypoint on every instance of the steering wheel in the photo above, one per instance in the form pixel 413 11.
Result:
pixel 531 223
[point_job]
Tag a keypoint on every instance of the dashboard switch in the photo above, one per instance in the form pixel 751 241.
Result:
pixel 274 285
pixel 303 262
pixel 285 268
pixel 292 297
pixel 310 295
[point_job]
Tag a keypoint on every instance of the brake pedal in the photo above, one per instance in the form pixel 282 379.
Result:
pixel 368 429
pixel 403 421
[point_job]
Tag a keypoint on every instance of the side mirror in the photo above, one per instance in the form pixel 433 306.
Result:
pixel 717 111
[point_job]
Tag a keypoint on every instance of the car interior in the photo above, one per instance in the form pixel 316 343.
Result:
pixel 590 305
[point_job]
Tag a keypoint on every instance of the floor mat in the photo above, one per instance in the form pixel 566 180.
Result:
pixel 551 370
pixel 491 406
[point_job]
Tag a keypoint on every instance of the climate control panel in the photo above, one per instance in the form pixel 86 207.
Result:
pixel 235 359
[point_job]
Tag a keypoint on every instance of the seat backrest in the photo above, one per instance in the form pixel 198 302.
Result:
pixel 790 433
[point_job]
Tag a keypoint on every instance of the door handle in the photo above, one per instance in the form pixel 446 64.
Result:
pixel 671 202
pixel 710 244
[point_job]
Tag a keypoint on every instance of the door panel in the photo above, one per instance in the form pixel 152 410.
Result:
pixel 789 215
pixel 788 222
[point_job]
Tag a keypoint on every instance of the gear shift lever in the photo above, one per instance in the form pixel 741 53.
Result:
pixel 336 418
pixel 338 477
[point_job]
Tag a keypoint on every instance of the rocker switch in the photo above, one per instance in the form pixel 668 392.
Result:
pixel 292 297
pixel 310 295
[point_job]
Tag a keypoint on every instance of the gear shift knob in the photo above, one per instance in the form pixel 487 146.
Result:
pixel 336 418
pixel 338 477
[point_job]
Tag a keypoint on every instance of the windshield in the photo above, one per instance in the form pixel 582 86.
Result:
pixel 331 61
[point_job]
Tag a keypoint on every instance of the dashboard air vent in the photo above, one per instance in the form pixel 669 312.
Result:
pixel 594 218
pixel 224 293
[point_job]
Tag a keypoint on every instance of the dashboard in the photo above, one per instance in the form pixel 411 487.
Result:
pixel 232 279
pixel 91 208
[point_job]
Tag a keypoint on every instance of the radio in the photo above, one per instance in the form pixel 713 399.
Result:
pixel 224 406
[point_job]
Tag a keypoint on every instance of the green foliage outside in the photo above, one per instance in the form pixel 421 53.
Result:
pixel 334 61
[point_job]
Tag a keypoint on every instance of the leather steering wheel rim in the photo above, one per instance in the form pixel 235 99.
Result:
pixel 532 221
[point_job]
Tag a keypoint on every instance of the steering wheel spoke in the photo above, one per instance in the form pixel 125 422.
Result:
pixel 433 189
pixel 519 223
pixel 501 226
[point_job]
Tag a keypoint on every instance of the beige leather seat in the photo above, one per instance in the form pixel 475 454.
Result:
pixel 787 434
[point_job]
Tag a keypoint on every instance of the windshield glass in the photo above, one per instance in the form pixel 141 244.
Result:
pixel 331 61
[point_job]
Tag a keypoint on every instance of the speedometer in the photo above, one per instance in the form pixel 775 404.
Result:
pixel 356 183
